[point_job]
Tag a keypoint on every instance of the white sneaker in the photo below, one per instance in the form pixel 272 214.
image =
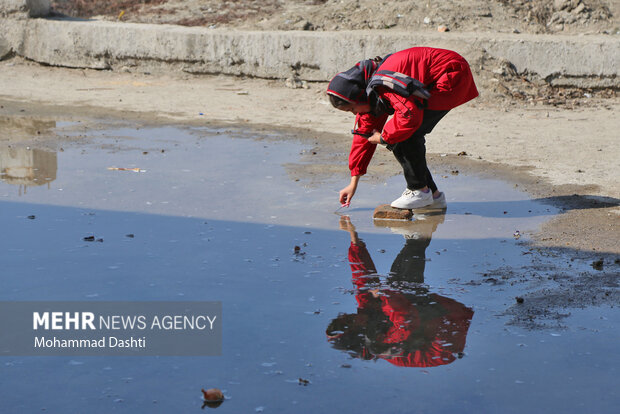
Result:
pixel 440 202
pixel 413 199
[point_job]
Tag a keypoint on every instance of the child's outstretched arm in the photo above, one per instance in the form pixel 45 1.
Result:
pixel 347 193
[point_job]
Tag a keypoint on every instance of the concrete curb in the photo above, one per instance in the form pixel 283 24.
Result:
pixel 24 8
pixel 581 61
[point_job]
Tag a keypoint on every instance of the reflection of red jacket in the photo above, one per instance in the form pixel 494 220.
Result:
pixel 447 76
pixel 446 334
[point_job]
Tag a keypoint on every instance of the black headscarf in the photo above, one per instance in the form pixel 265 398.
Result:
pixel 359 85
pixel 351 84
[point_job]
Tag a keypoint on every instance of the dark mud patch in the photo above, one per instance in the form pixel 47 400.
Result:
pixel 548 307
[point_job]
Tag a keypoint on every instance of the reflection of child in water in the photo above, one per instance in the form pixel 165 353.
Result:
pixel 402 323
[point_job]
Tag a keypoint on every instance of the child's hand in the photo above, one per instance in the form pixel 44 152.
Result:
pixel 375 138
pixel 346 194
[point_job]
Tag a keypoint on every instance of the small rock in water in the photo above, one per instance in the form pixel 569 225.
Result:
pixel 598 264
pixel 387 212
pixel 519 299
pixel 212 395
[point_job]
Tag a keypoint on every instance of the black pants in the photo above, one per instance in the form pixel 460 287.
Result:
pixel 411 153
pixel 410 263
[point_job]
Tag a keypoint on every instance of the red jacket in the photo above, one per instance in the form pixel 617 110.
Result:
pixel 449 80
pixel 445 333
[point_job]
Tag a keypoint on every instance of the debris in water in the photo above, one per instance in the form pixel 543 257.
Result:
pixel 519 299
pixel 212 395
pixel 598 264
pixel 92 239
pixel 516 234
pixel 298 252
pixel 303 382
pixel 32 217
pixel 125 169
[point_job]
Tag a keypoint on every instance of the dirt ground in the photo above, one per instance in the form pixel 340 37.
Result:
pixel 527 16
pixel 559 145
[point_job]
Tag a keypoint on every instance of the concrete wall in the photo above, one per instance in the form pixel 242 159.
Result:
pixel 5 48
pixel 24 8
pixel 586 61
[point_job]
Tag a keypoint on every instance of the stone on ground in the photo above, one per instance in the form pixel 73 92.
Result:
pixel 387 212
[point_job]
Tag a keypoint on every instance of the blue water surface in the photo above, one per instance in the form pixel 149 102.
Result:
pixel 215 217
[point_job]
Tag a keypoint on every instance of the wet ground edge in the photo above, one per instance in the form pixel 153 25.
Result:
pixel 588 224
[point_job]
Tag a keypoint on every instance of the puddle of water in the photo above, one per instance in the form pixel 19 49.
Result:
pixel 406 318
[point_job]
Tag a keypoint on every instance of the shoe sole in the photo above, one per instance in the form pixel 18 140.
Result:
pixel 413 208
